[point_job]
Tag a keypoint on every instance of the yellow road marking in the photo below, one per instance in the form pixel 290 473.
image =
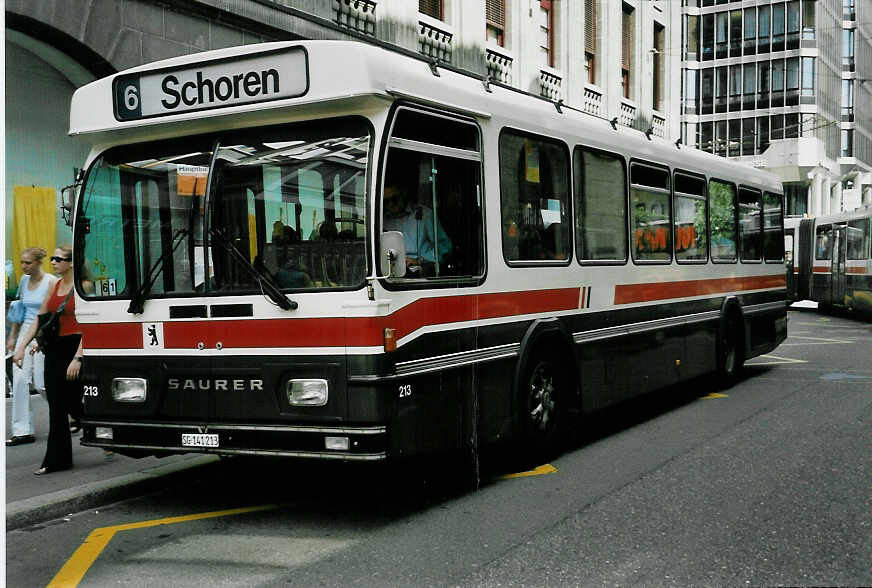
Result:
pixel 714 395
pixel 540 471
pixel 87 553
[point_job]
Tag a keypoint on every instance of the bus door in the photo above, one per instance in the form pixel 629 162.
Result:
pixel 789 262
pixel 837 288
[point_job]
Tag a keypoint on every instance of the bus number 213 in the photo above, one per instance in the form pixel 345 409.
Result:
pixel 405 390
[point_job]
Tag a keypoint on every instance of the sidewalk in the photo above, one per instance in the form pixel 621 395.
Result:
pixel 93 481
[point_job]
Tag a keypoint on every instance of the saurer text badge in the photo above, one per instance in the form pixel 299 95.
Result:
pixel 216 84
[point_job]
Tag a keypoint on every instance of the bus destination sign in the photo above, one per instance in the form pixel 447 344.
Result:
pixel 215 84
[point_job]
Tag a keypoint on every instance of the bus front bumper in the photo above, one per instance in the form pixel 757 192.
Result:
pixel 351 443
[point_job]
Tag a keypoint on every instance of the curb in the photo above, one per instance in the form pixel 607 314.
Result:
pixel 46 507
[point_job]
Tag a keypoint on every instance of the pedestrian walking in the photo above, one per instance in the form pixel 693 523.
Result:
pixel 32 290
pixel 63 361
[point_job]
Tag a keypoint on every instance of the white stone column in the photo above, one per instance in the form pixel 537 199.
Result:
pixel 816 198
pixel 826 195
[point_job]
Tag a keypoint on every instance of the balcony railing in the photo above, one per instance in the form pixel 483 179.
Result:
pixel 499 65
pixel 627 115
pixel 593 101
pixel 358 15
pixel 658 125
pixel 550 83
pixel 434 39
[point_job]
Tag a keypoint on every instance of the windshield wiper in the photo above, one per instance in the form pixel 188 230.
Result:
pixel 137 301
pixel 263 280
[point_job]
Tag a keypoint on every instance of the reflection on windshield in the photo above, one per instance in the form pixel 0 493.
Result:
pixel 291 201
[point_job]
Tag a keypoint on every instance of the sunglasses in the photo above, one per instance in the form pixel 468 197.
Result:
pixel 59 259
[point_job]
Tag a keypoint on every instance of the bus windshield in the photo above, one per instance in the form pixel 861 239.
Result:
pixel 286 209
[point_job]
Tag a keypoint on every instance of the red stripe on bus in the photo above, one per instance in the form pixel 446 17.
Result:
pixel 821 269
pixel 628 293
pixel 334 332
pixel 112 335
pixel 855 270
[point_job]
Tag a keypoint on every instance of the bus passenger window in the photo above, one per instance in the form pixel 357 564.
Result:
pixel 534 192
pixel 434 198
pixel 750 224
pixel 601 206
pixel 773 228
pixel 722 219
pixel 691 240
pixel 823 248
pixel 858 238
pixel 649 213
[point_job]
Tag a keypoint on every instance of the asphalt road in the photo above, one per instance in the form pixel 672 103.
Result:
pixel 767 483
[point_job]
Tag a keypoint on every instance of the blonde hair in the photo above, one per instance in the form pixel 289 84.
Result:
pixel 68 249
pixel 37 253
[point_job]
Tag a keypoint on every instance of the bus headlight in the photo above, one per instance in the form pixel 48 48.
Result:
pixel 307 392
pixel 129 389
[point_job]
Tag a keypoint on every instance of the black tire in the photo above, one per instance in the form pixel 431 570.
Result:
pixel 543 398
pixel 731 353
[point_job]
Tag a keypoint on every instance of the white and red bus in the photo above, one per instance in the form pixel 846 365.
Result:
pixel 830 259
pixel 243 289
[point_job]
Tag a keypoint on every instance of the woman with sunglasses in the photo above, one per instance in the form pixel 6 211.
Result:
pixel 32 290
pixel 63 361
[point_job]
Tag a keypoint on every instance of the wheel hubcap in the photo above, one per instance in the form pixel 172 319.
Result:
pixel 542 397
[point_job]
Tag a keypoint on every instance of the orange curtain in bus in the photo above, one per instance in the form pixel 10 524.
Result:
pixel 34 219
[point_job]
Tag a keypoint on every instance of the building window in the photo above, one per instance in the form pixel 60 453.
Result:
pixel 690 91
pixel 748 136
pixel 792 82
pixel 736 33
pixel 778 82
pixel 763 21
pixel 692 52
pixel 627 45
pixel 791 126
pixel 763 84
pixel 721 89
pixel 762 133
pixel 708 37
pixel 734 127
pixel 591 11
pixel 546 33
pixel 808 76
pixel 721 138
pixel 707 90
pixel 657 61
pixel 721 30
pixel 749 85
pixel 735 87
pixel 706 141
pixel 849 10
pixel 750 36
pixel 431 8
pixel 847 143
pixel 808 19
pixel 778 27
pixel 848 100
pixel 777 126
pixel 793 25
pixel 495 21
pixel 848 50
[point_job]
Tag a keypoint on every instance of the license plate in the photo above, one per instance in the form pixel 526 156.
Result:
pixel 199 439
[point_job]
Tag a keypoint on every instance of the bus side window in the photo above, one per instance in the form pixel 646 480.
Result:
pixel 750 224
pixel 534 192
pixel 691 239
pixel 600 206
pixel 433 196
pixel 650 212
pixel 773 228
pixel 722 219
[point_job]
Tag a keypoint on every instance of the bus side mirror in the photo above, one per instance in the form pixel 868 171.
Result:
pixel 393 254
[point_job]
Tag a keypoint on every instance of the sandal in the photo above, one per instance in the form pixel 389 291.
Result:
pixel 75 426
pixel 47 470
pixel 19 440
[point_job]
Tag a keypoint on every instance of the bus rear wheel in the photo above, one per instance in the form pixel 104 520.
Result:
pixel 542 404
pixel 731 356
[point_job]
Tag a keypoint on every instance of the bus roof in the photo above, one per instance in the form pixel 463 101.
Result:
pixel 268 83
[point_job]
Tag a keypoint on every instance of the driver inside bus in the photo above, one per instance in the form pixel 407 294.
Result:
pixel 416 222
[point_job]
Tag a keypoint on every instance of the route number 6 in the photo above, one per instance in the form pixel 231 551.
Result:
pixel 131 97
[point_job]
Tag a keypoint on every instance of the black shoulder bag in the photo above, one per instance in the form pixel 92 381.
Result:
pixel 50 326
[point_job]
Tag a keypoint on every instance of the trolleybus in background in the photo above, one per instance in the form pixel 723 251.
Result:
pixel 253 294
pixel 829 259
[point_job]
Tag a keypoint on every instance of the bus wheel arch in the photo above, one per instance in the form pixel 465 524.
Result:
pixel 731 344
pixel 546 386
